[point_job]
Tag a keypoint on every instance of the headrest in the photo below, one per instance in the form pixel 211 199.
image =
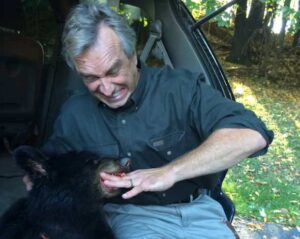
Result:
pixel 21 47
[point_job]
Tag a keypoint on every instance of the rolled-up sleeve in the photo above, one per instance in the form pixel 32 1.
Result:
pixel 211 111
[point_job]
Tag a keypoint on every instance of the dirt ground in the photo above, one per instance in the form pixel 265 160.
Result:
pixel 250 229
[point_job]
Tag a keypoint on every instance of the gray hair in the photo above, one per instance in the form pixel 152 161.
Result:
pixel 81 29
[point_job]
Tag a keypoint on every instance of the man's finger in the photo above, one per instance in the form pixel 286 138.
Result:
pixel 120 183
pixel 109 177
pixel 133 192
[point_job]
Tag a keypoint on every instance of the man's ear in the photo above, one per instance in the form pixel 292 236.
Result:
pixel 136 58
pixel 31 160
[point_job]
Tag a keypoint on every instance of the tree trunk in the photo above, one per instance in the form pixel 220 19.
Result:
pixel 296 38
pixel 268 21
pixel 238 41
pixel 256 15
pixel 245 30
pixel 284 20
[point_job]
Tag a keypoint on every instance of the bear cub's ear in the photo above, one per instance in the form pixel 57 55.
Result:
pixel 31 160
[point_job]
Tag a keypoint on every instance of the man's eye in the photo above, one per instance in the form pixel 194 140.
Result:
pixel 113 72
pixel 89 79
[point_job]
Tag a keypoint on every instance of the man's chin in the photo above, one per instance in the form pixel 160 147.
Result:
pixel 116 104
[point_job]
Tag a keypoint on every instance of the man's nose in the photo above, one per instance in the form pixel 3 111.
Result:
pixel 106 87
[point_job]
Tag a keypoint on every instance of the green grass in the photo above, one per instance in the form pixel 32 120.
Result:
pixel 267 188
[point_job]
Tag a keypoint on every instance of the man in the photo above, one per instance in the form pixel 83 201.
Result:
pixel 174 128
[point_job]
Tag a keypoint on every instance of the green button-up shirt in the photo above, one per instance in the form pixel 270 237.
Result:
pixel 170 113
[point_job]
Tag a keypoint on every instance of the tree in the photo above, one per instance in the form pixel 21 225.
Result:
pixel 285 16
pixel 268 23
pixel 246 29
pixel 296 38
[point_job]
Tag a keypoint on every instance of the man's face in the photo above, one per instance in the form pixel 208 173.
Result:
pixel 106 71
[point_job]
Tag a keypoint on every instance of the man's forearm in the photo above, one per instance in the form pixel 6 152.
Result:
pixel 223 149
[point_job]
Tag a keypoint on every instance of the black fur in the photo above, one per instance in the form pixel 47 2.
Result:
pixel 65 201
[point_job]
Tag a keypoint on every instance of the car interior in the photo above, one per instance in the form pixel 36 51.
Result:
pixel 33 87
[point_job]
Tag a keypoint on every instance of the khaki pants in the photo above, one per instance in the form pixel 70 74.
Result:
pixel 201 218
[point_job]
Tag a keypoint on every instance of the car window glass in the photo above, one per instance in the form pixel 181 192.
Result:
pixel 216 30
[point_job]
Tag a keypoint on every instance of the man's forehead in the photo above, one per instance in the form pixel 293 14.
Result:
pixel 102 55
pixel 85 70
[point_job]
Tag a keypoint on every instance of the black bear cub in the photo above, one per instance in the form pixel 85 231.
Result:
pixel 65 199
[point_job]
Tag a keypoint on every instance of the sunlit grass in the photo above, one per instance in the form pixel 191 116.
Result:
pixel 268 188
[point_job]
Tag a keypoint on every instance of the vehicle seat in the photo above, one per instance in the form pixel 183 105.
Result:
pixel 21 62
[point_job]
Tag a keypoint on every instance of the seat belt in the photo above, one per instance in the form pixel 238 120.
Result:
pixel 155 38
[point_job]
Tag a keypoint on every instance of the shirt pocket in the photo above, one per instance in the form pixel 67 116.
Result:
pixel 107 150
pixel 169 146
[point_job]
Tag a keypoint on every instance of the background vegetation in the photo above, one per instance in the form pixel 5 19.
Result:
pixel 257 42
pixel 267 188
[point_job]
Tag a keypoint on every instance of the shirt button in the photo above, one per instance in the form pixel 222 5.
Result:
pixel 169 153
pixel 123 121
pixel 164 195
pixel 128 154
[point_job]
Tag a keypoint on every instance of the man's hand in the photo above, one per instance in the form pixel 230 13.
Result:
pixel 156 179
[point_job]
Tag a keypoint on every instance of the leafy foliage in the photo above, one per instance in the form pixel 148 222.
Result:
pixel 268 188
pixel 200 8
